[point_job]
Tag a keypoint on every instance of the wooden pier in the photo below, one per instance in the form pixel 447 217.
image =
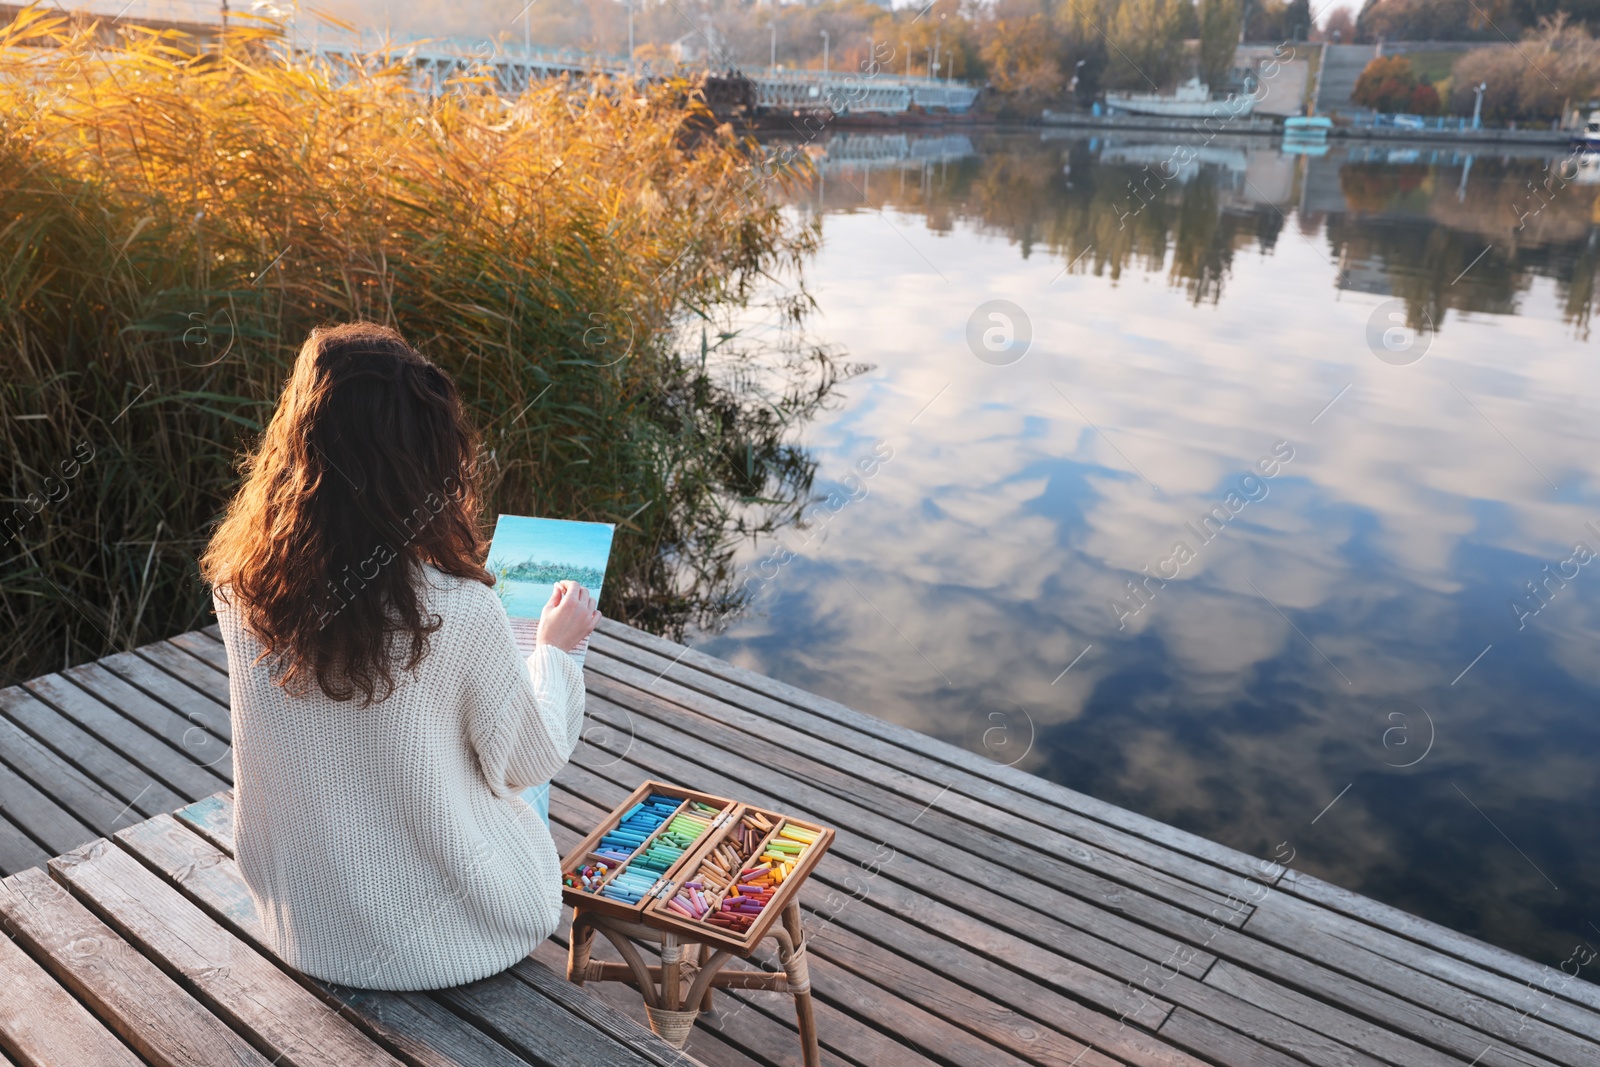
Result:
pixel 968 913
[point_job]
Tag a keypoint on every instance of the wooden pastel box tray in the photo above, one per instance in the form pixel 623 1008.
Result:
pixel 716 869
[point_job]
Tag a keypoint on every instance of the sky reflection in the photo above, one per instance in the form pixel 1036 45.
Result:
pixel 1322 640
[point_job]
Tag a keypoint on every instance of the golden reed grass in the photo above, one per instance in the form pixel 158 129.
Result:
pixel 173 219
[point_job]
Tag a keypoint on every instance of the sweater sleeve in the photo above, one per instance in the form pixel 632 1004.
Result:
pixel 524 717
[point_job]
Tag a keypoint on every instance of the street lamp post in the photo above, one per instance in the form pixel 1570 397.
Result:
pixel 772 63
pixel 824 53
pixel 1477 103
pixel 630 39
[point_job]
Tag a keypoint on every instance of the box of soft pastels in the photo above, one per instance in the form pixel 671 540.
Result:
pixel 677 858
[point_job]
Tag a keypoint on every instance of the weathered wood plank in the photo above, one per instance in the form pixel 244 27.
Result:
pixel 866 772
pixel 551 983
pixel 67 789
pixel 212 818
pixel 965 793
pixel 161 1021
pixel 18 851
pixel 231 978
pixel 1247 1022
pixel 412 1026
pixel 1476 954
pixel 192 738
pixel 1138 922
pixel 196 643
pixel 189 669
pixel 544 1032
pixel 754 1041
pixel 194 707
pixel 1304 928
pixel 925 939
pixel 613 635
pixel 42 818
pixel 42 1025
pixel 167 763
pixel 107 767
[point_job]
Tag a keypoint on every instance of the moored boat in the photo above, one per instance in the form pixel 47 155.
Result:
pixel 1192 99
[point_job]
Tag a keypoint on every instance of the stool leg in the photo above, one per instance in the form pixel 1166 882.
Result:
pixel 671 961
pixel 579 946
pixel 792 954
pixel 700 962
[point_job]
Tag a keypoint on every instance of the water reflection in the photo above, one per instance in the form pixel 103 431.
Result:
pixel 1342 632
pixel 1406 221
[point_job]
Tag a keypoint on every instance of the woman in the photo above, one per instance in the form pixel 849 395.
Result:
pixel 383 721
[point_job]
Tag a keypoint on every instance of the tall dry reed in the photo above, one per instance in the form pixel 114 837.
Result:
pixel 172 224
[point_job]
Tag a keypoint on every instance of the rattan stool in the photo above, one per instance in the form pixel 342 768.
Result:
pixel 671 1011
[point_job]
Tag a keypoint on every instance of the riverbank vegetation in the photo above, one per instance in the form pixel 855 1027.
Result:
pixel 587 261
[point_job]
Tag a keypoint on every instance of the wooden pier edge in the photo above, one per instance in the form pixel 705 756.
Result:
pixel 1130 942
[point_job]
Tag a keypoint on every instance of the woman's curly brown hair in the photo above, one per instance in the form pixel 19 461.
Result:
pixel 366 472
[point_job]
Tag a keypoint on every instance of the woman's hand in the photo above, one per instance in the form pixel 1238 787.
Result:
pixel 569 617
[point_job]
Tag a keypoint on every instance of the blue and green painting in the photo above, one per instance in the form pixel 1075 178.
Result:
pixel 529 556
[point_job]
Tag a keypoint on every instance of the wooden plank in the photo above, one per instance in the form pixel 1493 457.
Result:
pixel 18 851
pixel 196 643
pixel 1272 997
pixel 67 787
pixel 212 819
pixel 1205 1037
pixel 1240 1016
pixel 1338 932
pixel 192 738
pixel 169 764
pixel 553 986
pixel 1141 923
pixel 734 1033
pixel 868 769
pixel 541 1031
pixel 42 1025
pixel 189 669
pixel 1543 979
pixel 43 820
pixel 105 766
pixel 162 1022
pixel 943 1038
pixel 1303 927
pixel 235 981
pixel 951 881
pixel 1356 997
pixel 414 1027
pixel 621 640
pixel 878 761
pixel 190 704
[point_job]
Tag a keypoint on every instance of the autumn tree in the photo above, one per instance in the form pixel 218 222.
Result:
pixel 1219 39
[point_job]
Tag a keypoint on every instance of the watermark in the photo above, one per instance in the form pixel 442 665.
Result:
pixel 54 490
pixel 1544 589
pixel 820 515
pixel 383 553
pixel 1393 339
pixel 1251 488
pixel 1397 736
pixel 999 332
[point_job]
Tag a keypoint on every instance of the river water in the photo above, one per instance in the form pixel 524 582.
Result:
pixel 1261 504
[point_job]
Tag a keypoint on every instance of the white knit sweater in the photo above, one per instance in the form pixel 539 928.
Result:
pixel 386 847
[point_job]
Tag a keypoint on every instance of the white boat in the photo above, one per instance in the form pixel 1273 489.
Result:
pixel 1191 100
pixel 1588 138
pixel 1307 128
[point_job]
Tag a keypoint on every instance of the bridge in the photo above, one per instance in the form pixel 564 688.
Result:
pixel 436 62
